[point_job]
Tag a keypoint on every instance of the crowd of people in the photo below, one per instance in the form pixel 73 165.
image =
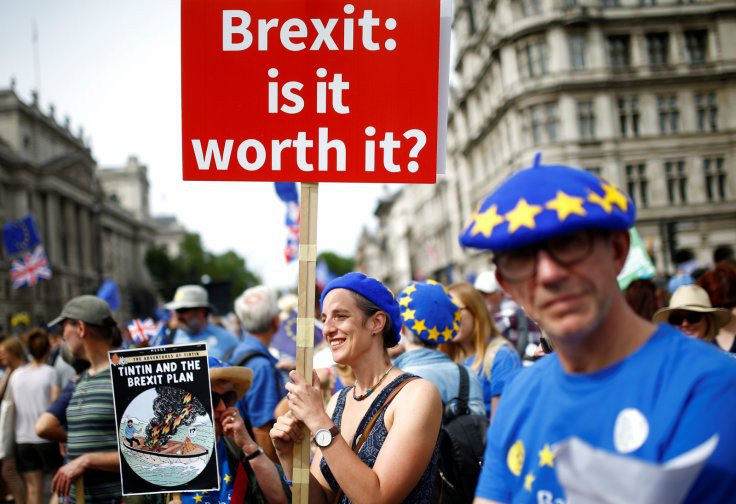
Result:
pixel 545 348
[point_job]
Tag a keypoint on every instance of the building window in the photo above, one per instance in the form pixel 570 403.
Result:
pixel 543 122
pixel 531 7
pixel 674 172
pixel 628 116
pixel 637 183
pixel 715 179
pixel 647 2
pixel 569 3
pixel 669 114
pixel 586 119
pixel 658 48
pixel 618 51
pixel 578 43
pixel 595 170
pixel 532 59
pixel 706 109
pixel 610 3
pixel 696 46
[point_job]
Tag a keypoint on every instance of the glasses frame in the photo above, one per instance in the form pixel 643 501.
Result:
pixel 230 394
pixel 546 245
pixel 692 317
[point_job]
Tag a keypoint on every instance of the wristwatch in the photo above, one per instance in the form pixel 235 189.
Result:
pixel 324 437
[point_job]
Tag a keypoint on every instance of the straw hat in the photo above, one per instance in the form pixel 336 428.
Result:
pixel 693 298
pixel 239 376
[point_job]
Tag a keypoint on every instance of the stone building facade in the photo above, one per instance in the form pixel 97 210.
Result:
pixel 641 92
pixel 49 172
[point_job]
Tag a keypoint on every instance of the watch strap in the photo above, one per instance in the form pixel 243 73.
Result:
pixel 248 458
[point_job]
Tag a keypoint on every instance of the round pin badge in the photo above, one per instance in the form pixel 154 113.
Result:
pixel 630 431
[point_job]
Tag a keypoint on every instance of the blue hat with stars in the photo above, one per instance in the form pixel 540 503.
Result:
pixel 429 311
pixel 544 201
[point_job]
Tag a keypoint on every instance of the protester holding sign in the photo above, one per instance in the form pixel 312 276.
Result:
pixel 246 473
pixel 361 320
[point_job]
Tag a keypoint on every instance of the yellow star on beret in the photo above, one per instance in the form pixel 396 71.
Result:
pixel 522 215
pixel 409 314
pixel 410 289
pixel 434 334
pixel 484 223
pixel 615 196
pixel 418 326
pixel 404 301
pixel 447 333
pixel 566 205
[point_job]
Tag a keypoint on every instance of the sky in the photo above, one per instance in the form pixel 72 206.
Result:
pixel 114 69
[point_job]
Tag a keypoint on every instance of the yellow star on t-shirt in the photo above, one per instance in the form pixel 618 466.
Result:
pixel 546 457
pixel 447 333
pixel 485 222
pixel 528 482
pixel 418 326
pixel 410 289
pixel 433 334
pixel 197 498
pixel 227 478
pixel 404 301
pixel 615 197
pixel 565 205
pixel 523 214
pixel 409 314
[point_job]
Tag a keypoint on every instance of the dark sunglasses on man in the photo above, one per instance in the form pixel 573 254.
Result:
pixel 520 263
pixel 692 317
pixel 228 398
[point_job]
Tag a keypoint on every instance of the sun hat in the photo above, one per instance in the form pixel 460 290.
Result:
pixel 371 289
pixel 486 282
pixel 87 308
pixel 429 311
pixel 189 296
pixel 545 201
pixel 241 377
pixel 693 298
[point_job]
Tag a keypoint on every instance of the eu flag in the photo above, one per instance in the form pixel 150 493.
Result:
pixel 20 235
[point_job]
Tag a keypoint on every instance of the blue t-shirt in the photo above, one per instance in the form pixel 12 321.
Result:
pixel 220 342
pixel 673 394
pixel 506 363
pixel 267 389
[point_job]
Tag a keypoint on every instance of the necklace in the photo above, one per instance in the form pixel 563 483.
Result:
pixel 371 389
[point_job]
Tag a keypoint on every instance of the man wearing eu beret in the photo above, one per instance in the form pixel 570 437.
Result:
pixel 626 387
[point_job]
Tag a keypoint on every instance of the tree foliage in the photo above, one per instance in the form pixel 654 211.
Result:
pixel 337 264
pixel 192 263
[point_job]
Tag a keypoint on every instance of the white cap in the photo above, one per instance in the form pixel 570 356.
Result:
pixel 189 296
pixel 486 282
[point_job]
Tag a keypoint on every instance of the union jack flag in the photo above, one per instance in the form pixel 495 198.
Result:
pixel 141 330
pixel 30 268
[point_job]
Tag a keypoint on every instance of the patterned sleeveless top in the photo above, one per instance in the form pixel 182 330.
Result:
pixel 423 492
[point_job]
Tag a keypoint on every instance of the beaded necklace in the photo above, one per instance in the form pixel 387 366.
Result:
pixel 371 389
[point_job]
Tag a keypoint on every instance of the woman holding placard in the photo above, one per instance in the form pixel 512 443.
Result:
pixel 364 432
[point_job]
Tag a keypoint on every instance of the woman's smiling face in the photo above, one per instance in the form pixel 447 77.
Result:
pixel 345 328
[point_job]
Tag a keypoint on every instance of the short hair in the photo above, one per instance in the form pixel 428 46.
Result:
pixel 256 307
pixel 369 308
pixel 720 284
pixel 38 343
pixel 110 334
pixel 14 346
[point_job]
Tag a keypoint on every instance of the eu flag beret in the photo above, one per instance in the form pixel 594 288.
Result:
pixel 429 311
pixel 544 201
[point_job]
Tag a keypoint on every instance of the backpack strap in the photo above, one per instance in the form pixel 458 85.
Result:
pixel 463 394
pixel 369 427
pixel 257 353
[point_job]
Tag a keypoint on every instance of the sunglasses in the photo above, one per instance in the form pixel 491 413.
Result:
pixel 691 317
pixel 228 398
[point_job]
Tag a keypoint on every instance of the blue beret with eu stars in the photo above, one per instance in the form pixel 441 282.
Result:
pixel 544 201
pixel 429 311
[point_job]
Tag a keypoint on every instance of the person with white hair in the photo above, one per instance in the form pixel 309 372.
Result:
pixel 258 312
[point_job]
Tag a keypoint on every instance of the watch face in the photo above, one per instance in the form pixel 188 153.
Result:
pixel 323 437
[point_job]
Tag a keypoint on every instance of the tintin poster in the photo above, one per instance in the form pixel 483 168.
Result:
pixel 163 408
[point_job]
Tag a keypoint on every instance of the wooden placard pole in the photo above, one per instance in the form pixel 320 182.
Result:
pixel 305 326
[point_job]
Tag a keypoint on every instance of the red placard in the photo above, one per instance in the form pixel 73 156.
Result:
pixel 310 90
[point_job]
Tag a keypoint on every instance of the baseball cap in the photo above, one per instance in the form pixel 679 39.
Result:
pixel 87 308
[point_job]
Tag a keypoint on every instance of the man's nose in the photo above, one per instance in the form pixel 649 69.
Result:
pixel 547 269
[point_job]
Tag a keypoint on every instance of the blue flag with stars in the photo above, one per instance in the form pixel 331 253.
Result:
pixel 20 235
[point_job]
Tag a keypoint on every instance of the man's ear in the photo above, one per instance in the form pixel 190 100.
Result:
pixel 620 244
pixel 276 322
